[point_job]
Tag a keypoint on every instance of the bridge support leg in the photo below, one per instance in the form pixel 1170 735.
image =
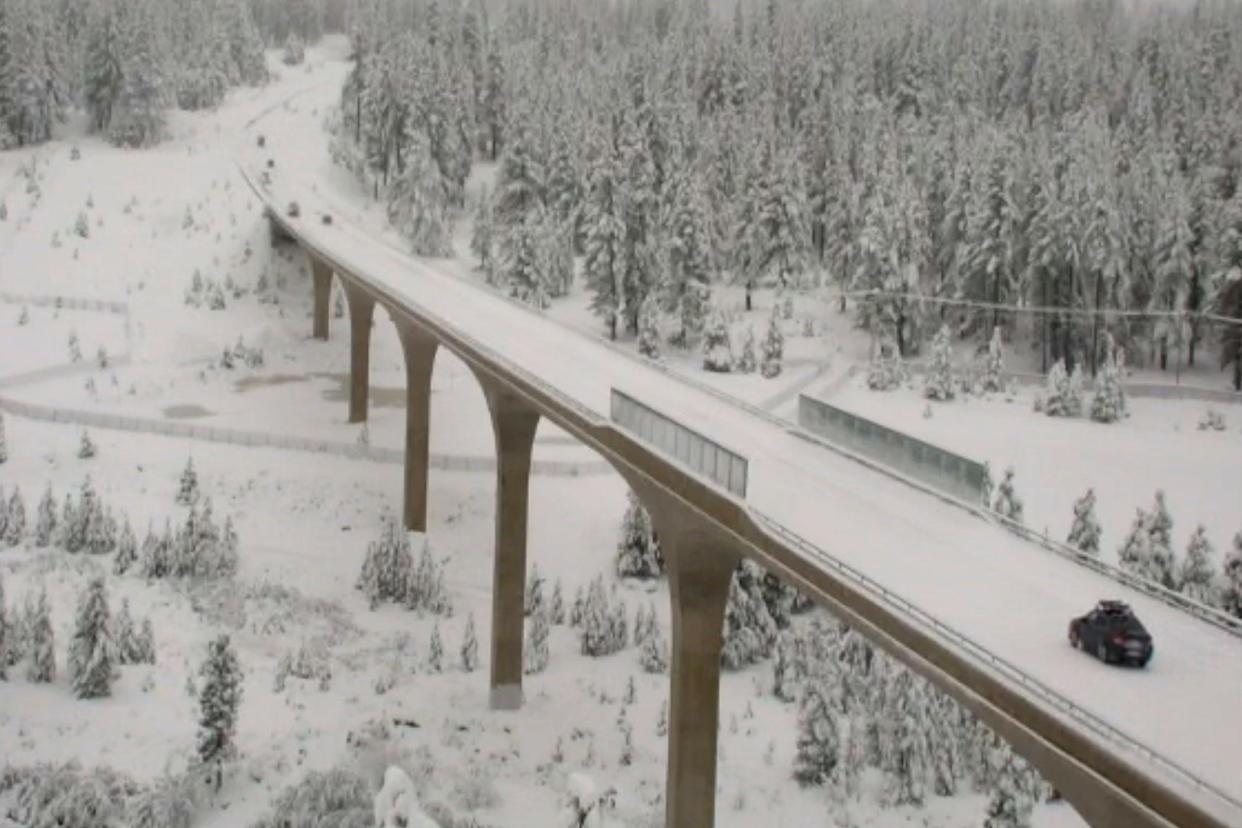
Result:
pixel 321 275
pixel 700 569
pixel 361 312
pixel 420 356
pixel 514 425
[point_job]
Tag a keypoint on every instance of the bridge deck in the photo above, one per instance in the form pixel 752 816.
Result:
pixel 991 586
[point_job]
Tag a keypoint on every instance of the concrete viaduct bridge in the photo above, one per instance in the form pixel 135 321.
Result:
pixel 923 578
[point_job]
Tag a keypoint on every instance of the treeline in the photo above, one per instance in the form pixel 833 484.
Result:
pixel 1028 154
pixel 125 62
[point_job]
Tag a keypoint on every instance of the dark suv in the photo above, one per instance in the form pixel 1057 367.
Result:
pixel 1113 633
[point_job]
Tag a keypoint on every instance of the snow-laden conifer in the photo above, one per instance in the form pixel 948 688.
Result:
pixel 4 446
pixel 747 361
pixel 435 650
pixel 40 641
pixel 1231 586
pixel 187 489
pixel 717 350
pixel 92 650
pixel 45 520
pixel 536 655
pixel 818 746
pixel 218 702
pixel 126 550
pixel 649 327
pixel 1084 534
pixel 1197 576
pixel 638 550
pixel 993 378
pixel 773 348
pixel 556 606
pixel 387 568
pixel 938 384
pixel 86 446
pixel 15 520
pixel 533 599
pixel 1109 402
pixel 749 630
pixel 1007 503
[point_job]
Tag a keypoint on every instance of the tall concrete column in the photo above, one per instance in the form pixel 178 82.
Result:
pixel 700 566
pixel 321 276
pixel 420 357
pixel 514 425
pixel 361 312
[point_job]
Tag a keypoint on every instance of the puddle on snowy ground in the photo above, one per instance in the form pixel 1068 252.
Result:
pixel 381 396
pixel 186 412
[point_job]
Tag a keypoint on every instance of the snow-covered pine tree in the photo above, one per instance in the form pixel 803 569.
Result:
pixel 886 370
pixel 1196 578
pixel 45 522
pixel 1056 394
pixel 1011 803
pixel 144 652
pixel 86 447
pixel 521 263
pixel 1134 550
pixel 1008 504
pixel 905 760
pixel 126 550
pixel 993 378
pixel 4 446
pixel 773 348
pixel 642 624
pixel 748 362
pixel 418 203
pixel 536 656
pixel 295 50
pixel 1231 586
pixel 556 607
pixel 1109 403
pixel 533 599
pixel 483 237
pixel 92 652
pixel 126 636
pixel 1084 534
pixel 469 646
pixel 653 654
pixel 689 258
pixel 649 327
pixel 749 630
pixel 577 610
pixel 598 634
pixel 4 623
pixel 40 641
pixel 717 349
pixel 604 228
pixel 638 550
pixel 187 489
pixel 818 746
pixel 1160 565
pixel 138 112
pixel 15 523
pixel 938 385
pixel 435 650
pixel 388 565
pixel 218 703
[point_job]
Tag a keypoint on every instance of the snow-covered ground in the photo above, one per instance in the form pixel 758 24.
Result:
pixel 305 519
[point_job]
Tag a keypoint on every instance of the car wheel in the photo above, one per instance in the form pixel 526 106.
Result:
pixel 1074 642
pixel 1143 661
pixel 1102 652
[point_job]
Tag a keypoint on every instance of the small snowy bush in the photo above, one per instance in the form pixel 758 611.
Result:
pixel 339 798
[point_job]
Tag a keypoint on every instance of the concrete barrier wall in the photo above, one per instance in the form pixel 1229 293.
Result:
pixel 944 470
pixel 704 456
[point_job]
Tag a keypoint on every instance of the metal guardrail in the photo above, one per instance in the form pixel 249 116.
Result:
pixel 1006 668
pixel 946 470
pixel 705 456
pixel 66 302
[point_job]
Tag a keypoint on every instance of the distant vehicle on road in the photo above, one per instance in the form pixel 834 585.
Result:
pixel 1113 634
pixel 294 210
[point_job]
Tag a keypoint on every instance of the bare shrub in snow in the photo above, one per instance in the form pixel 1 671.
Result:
pixel 65 796
pixel 170 802
pixel 338 798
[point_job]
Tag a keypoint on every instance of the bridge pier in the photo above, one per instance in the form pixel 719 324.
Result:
pixel 420 357
pixel 514 423
pixel 321 276
pixel 700 568
pixel 361 312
